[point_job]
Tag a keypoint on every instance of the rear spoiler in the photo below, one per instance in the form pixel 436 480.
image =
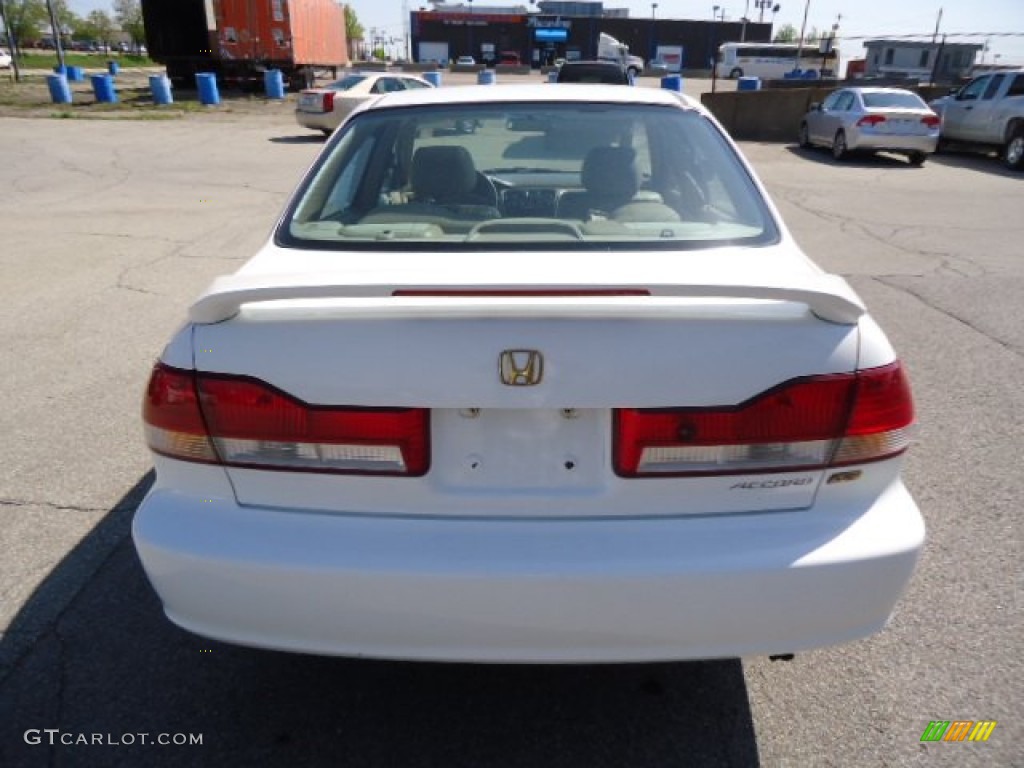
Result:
pixel 829 297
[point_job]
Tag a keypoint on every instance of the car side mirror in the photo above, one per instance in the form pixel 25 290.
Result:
pixel 815 106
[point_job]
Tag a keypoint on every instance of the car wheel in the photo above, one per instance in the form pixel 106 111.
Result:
pixel 1014 154
pixel 917 158
pixel 736 73
pixel 326 132
pixel 805 136
pixel 633 72
pixel 839 148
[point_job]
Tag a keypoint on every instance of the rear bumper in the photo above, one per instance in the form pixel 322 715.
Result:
pixel 318 121
pixel 528 590
pixel 895 142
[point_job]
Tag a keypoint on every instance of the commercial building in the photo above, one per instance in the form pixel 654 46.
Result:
pixel 566 30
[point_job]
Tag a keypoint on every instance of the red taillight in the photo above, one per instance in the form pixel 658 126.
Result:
pixel 328 101
pixel 871 120
pixel 251 424
pixel 808 423
pixel 513 294
pixel 174 423
pixel 932 121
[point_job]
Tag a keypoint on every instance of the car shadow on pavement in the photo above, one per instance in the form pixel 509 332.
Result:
pixel 115 677
pixel 975 161
pixel 854 160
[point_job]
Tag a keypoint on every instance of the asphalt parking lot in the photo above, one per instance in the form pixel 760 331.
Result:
pixel 110 227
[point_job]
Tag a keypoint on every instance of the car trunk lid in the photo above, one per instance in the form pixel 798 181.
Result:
pixel 525 381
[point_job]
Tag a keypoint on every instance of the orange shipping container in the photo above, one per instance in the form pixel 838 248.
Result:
pixel 302 32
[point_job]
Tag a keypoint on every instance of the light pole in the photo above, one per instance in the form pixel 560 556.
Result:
pixel 803 29
pixel 654 47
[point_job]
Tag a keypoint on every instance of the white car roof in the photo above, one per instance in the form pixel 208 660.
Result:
pixel 539 92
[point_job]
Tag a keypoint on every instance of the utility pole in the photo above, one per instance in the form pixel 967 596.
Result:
pixel 938 21
pixel 803 28
pixel 58 41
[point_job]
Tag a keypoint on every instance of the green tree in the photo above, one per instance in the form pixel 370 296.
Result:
pixel 101 27
pixel 787 34
pixel 354 31
pixel 128 14
pixel 26 19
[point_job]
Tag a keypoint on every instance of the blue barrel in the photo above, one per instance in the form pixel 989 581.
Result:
pixel 60 91
pixel 160 85
pixel 60 70
pixel 553 76
pixel 273 82
pixel 434 78
pixel 792 75
pixel 486 77
pixel 672 83
pixel 206 82
pixel 810 74
pixel 103 87
pixel 748 84
pixel 76 74
pixel 114 68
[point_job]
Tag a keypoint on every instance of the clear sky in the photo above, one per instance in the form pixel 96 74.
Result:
pixel 860 18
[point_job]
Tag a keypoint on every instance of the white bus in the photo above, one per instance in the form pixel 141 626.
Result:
pixel 774 60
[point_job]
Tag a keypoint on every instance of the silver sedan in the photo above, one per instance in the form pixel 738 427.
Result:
pixel 873 120
pixel 324 109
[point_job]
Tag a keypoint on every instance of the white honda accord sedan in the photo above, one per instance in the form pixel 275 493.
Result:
pixel 561 388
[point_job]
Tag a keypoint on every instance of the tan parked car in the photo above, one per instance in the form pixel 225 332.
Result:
pixel 324 109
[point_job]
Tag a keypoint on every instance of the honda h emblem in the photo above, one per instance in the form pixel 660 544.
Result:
pixel 520 367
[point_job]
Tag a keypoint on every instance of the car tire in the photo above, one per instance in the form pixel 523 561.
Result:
pixel 917 158
pixel 805 136
pixel 633 72
pixel 736 73
pixel 1013 154
pixel 326 132
pixel 839 149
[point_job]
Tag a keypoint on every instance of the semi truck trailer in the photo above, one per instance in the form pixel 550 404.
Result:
pixel 238 40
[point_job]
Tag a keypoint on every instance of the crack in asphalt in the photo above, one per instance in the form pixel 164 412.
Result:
pixel 128 236
pixel 948 261
pixel 948 313
pixel 61 507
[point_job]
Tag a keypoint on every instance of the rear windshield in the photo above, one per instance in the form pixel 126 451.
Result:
pixel 895 100
pixel 531 176
pixel 593 73
pixel 349 81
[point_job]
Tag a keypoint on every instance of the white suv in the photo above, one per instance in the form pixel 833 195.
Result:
pixel 559 389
